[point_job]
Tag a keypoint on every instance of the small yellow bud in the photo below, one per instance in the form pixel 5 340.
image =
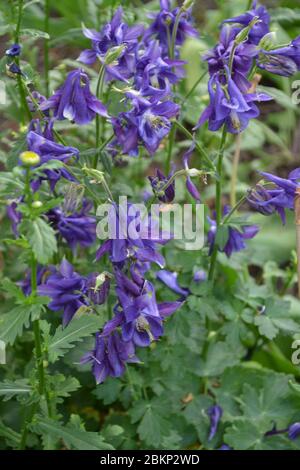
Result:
pixel 30 158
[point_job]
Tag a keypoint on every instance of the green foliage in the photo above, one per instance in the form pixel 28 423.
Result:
pixel 41 238
pixel 72 436
pixel 64 339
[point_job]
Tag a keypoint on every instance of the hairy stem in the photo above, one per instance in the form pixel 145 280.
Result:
pixel 218 201
pixel 99 92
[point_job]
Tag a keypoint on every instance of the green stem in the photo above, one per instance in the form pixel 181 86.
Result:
pixel 174 34
pixel 99 92
pixel 249 4
pixel 46 47
pixel 170 149
pixel 198 146
pixel 19 78
pixel 218 200
pixel 19 21
pixel 194 87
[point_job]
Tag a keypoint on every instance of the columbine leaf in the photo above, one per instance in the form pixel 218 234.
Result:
pixel 153 425
pixel 9 390
pixel 41 238
pixel 73 437
pixel 13 323
pixel 65 339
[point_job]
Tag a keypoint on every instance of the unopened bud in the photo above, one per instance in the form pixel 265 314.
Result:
pixel 29 158
pixel 193 172
pixel 97 175
pixel 267 42
pixel 37 204
pixel 187 4
pixel 113 54
pixel 243 35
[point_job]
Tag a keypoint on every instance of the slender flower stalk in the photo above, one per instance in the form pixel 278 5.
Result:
pixel 198 146
pixel 46 47
pixel 19 77
pixel 191 91
pixel 219 183
pixel 99 92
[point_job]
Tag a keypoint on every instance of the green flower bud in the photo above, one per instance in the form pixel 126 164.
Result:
pixel 267 42
pixel 187 4
pixel 243 35
pixel 113 54
pixel 37 204
pixel 29 158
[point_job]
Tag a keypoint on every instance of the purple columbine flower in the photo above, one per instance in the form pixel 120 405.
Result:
pixel 230 105
pixel 136 244
pixel 170 280
pixel 158 182
pixel 110 356
pixel 267 201
pixel 146 125
pixel 38 100
pixel 42 142
pixel 219 57
pixel 236 238
pixel 114 34
pixel 42 273
pixel 294 431
pixel 260 29
pixel 98 286
pixel 215 414
pixel 154 75
pixel 67 289
pixel 74 100
pixel 163 24
pixel 139 315
pixel 78 228
pixel 284 61
pixel 14 50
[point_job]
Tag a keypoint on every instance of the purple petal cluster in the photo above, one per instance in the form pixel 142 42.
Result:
pixel 113 35
pixel 109 357
pixel 158 182
pixel 163 24
pixel 74 100
pixel 69 291
pixel 236 237
pixel 76 229
pixel 41 141
pixel 138 318
pixel 277 198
